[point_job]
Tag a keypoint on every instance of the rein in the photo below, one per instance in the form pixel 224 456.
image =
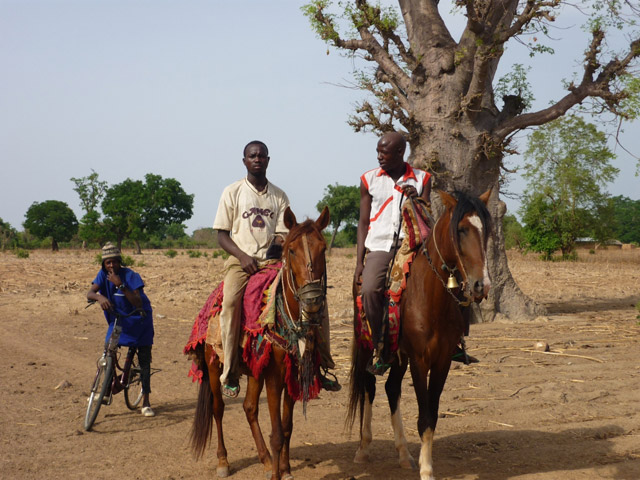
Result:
pixel 446 268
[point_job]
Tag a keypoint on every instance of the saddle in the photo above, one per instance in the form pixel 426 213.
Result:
pixel 416 224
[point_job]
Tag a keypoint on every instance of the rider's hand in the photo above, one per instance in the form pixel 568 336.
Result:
pixel 410 191
pixel 104 302
pixel 357 276
pixel 248 264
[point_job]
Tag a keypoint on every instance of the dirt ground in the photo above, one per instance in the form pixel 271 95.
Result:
pixel 571 413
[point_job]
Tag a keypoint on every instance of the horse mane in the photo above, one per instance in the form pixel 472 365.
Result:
pixel 469 203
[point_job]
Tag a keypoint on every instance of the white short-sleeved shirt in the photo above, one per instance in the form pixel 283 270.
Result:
pixel 386 201
pixel 252 217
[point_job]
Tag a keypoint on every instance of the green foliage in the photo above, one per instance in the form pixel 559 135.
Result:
pixel 194 253
pixel 344 206
pixel 516 83
pixel 627 219
pixel 90 190
pixel 220 253
pixel 21 253
pixel 171 253
pixel 137 210
pixel 206 237
pixel 127 261
pixel 567 168
pixel 513 233
pixel 51 218
pixel 8 236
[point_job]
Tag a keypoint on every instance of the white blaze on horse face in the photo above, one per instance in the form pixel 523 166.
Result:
pixel 476 222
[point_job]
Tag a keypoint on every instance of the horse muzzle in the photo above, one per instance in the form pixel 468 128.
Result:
pixel 311 297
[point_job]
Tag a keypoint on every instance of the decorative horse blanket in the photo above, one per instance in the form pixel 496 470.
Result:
pixel 416 224
pixel 262 326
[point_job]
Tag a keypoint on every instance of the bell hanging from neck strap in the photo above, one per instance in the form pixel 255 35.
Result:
pixel 452 282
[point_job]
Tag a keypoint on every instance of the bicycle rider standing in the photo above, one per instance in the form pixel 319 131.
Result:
pixel 119 288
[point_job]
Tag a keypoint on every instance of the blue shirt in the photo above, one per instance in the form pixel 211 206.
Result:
pixel 136 329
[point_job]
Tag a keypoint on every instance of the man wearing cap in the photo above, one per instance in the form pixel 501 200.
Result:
pixel 120 289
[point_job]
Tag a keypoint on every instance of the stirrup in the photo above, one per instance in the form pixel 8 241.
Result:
pixel 327 383
pixel 461 355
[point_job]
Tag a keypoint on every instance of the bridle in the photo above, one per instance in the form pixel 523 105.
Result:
pixel 311 295
pixel 459 266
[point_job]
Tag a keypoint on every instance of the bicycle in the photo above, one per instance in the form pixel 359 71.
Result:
pixel 108 381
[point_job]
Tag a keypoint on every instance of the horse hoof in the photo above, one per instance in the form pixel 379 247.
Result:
pixel 288 476
pixel 222 472
pixel 361 457
pixel 408 463
pixel 268 475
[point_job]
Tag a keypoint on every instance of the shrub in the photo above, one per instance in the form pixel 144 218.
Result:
pixel 22 253
pixel 171 253
pixel 194 253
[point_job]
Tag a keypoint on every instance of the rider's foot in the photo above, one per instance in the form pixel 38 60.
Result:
pixel 329 384
pixel 379 367
pixel 231 388
pixel 461 356
pixel 147 412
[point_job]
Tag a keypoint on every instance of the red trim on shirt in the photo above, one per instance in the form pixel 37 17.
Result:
pixel 364 181
pixel 387 201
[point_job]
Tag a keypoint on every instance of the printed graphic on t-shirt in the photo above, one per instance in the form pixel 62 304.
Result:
pixel 258 213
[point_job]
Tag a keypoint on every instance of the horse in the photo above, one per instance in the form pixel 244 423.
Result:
pixel 433 316
pixel 303 281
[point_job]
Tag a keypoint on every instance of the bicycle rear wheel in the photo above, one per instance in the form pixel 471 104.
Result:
pixel 101 387
pixel 133 387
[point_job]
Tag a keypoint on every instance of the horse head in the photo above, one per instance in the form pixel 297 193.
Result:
pixel 464 252
pixel 304 263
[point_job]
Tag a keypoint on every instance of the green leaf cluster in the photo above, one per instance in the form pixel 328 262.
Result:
pixel 51 218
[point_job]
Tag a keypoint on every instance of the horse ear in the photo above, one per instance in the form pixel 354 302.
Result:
pixel 447 199
pixel 323 219
pixel 289 219
pixel 485 196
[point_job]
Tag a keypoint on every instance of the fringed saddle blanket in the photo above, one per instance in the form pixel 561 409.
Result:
pixel 416 224
pixel 262 326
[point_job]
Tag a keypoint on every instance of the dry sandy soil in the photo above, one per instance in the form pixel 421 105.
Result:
pixel 572 413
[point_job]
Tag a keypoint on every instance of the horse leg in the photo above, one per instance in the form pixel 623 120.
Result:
pixel 393 387
pixel 428 403
pixel 274 380
pixel 287 425
pixel 251 406
pixel 366 413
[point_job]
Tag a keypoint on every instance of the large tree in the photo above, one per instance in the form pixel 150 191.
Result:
pixel 51 218
pixel 568 166
pixel 344 206
pixel 135 210
pixel 440 92
pixel 91 191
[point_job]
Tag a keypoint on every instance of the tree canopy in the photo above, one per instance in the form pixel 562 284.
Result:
pixel 441 92
pixel 627 218
pixel 51 218
pixel 344 206
pixel 136 210
pixel 568 167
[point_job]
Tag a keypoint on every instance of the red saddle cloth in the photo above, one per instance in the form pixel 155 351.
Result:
pixel 416 224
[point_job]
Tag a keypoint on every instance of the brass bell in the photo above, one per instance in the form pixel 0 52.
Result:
pixel 452 282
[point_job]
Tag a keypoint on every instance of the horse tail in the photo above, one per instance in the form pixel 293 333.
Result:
pixel 201 429
pixel 358 381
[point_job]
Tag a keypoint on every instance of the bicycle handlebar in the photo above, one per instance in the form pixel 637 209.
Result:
pixel 120 314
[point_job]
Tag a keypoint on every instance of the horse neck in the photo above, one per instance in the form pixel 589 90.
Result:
pixel 440 245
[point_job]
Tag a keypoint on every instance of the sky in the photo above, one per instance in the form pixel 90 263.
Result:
pixel 177 88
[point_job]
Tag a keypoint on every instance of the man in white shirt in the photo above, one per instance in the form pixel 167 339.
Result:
pixel 383 191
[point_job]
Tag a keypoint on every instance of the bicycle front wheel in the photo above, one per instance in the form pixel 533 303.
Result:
pixel 101 387
pixel 133 387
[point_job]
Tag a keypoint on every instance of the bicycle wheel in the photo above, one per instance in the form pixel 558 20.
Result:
pixel 133 387
pixel 101 387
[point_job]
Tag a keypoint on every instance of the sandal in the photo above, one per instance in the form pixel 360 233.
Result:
pixel 231 389
pixel 327 383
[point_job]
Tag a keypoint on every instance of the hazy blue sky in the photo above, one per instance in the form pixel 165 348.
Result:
pixel 177 88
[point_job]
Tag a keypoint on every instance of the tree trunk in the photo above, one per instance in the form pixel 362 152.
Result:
pixel 138 250
pixel 54 245
pixel 333 238
pixel 454 151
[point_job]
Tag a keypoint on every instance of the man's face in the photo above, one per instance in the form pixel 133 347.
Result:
pixel 256 159
pixel 389 155
pixel 112 265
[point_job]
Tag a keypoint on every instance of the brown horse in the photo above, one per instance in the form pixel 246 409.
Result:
pixel 432 323
pixel 303 297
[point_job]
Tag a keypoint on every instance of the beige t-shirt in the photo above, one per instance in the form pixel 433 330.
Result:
pixel 252 217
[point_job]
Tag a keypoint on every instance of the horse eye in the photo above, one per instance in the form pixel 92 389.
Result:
pixel 291 252
pixel 462 231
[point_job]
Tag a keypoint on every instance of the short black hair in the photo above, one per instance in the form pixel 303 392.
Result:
pixel 254 142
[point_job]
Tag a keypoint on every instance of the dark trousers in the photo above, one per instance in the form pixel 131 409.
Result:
pixel 144 358
pixel 374 278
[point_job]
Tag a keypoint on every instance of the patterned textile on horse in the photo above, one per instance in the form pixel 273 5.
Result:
pixel 416 224
pixel 262 326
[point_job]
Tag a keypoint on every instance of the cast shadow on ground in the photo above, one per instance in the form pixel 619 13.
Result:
pixel 591 305
pixel 491 455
